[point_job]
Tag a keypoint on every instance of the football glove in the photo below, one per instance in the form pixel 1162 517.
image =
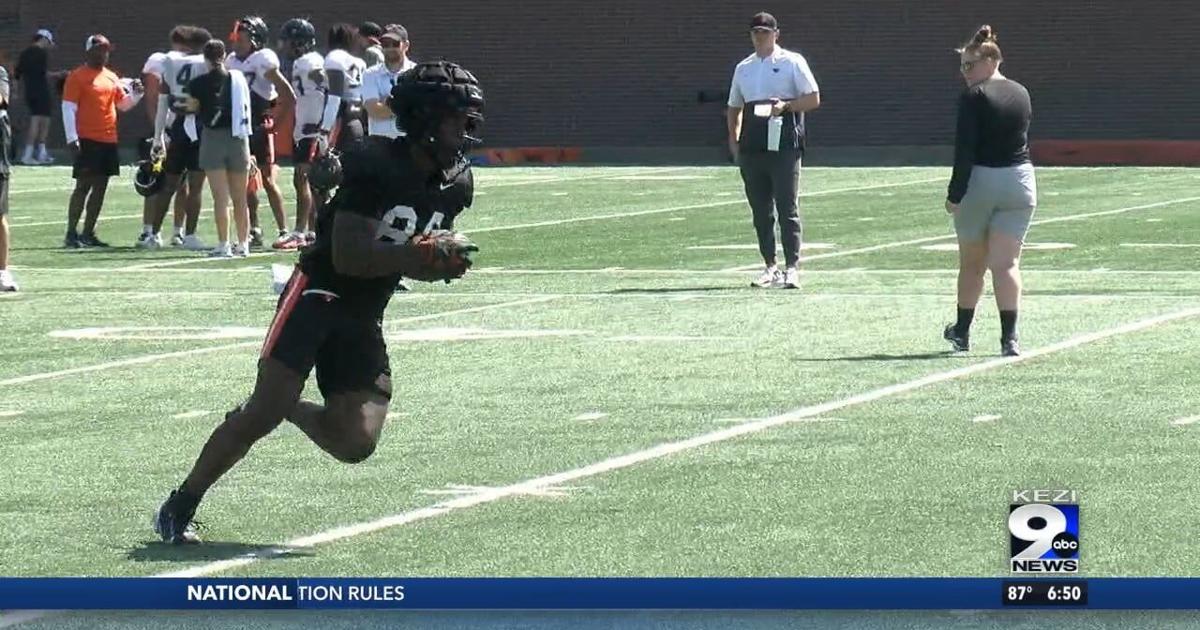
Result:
pixel 444 255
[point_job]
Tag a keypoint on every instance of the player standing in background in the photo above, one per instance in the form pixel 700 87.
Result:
pixel 33 72
pixel 92 95
pixel 179 133
pixel 343 81
pixel 260 65
pixel 7 282
pixel 368 45
pixel 298 40
pixel 391 216
pixel 379 81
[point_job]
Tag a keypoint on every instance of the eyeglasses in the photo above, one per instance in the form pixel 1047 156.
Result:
pixel 967 66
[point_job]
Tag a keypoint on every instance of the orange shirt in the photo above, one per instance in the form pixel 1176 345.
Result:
pixel 96 92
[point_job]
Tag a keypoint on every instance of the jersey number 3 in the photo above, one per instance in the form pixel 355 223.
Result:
pixel 400 224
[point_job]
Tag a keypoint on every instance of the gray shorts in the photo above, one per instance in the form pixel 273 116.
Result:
pixel 221 151
pixel 997 200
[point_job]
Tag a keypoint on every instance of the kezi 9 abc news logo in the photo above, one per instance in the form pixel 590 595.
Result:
pixel 1043 530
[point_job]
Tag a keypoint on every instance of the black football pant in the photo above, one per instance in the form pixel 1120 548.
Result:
pixel 772 181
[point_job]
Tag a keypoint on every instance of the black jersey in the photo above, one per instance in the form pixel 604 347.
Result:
pixel 380 181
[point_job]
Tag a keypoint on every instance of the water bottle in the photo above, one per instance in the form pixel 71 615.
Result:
pixel 774 131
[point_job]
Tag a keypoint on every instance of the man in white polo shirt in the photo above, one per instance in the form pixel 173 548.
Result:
pixel 770 92
pixel 379 80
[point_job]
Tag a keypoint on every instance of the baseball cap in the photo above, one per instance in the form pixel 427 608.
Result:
pixel 395 32
pixel 46 34
pixel 97 40
pixel 764 22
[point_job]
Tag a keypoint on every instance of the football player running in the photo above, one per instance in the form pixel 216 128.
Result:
pixel 261 67
pixel 392 216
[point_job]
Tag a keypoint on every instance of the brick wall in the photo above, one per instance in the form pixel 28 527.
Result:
pixel 627 72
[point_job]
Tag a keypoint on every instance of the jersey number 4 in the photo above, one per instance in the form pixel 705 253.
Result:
pixel 400 224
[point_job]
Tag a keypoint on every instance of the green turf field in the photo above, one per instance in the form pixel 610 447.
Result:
pixel 605 395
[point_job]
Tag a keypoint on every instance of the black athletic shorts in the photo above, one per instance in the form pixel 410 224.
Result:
pixel 316 328
pixel 183 154
pixel 96 159
pixel 262 144
pixel 3 194
pixel 38 101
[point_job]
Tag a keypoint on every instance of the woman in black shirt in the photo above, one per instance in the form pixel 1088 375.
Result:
pixel 993 192
pixel 220 100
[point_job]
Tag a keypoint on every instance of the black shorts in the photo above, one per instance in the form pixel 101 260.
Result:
pixel 38 102
pixel 3 194
pixel 315 328
pixel 262 146
pixel 351 131
pixel 96 159
pixel 183 154
pixel 304 151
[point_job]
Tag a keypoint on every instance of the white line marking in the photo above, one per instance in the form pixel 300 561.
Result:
pixel 697 206
pixel 1162 245
pixel 150 358
pixel 667 448
pixel 191 414
pixel 591 415
pixel 1186 421
pixel 41 190
pixel 652 338
pixel 1027 247
pixel 985 418
pixel 63 222
pixel 553 179
pixel 932 239
pixel 17 617
pixel 754 247
pixel 192 261
pixel 10 413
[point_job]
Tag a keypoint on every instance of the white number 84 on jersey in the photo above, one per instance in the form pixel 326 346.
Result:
pixel 400 224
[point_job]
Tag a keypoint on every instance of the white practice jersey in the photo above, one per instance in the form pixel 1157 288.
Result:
pixel 352 67
pixel 256 67
pixel 310 95
pixel 154 65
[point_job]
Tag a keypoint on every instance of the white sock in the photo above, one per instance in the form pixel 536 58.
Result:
pixel 147 229
pixel 179 231
pixel 245 245
pixel 28 155
pixel 41 150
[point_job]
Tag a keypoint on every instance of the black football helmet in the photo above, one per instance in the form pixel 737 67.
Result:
pixel 148 179
pixel 425 94
pixel 255 30
pixel 325 172
pixel 299 35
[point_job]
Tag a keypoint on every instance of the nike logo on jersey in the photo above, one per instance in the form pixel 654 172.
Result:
pixel 445 186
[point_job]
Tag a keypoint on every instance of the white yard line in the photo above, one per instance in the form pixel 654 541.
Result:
pixel 696 206
pixel 63 222
pixel 203 258
pixel 150 358
pixel 566 180
pixel 665 449
pixel 944 237
pixel 1186 421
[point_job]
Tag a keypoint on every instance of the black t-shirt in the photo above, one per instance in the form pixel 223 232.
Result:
pixel 380 181
pixel 993 130
pixel 216 101
pixel 32 67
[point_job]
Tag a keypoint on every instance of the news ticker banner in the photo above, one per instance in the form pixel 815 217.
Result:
pixel 599 593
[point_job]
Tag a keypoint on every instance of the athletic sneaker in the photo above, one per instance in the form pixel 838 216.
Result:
pixel 289 241
pixel 175 522
pixel 90 240
pixel 149 241
pixel 770 277
pixel 402 286
pixel 192 243
pixel 256 237
pixel 7 282
pixel 177 240
pixel 221 251
pixel 240 252
pixel 791 278
pixel 957 343
pixel 71 241
pixel 310 237
pixel 1009 348
pixel 46 158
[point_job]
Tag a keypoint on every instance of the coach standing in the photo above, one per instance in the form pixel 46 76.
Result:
pixel 91 98
pixel 770 92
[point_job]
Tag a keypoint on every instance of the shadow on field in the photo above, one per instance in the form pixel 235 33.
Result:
pixel 208 551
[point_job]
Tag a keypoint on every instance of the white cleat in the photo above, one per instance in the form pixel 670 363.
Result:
pixel 791 278
pixel 192 243
pixel 177 240
pixel 770 277
pixel 149 241
pixel 7 282
pixel 221 251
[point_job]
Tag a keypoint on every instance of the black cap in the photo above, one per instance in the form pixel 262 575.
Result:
pixel 764 21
